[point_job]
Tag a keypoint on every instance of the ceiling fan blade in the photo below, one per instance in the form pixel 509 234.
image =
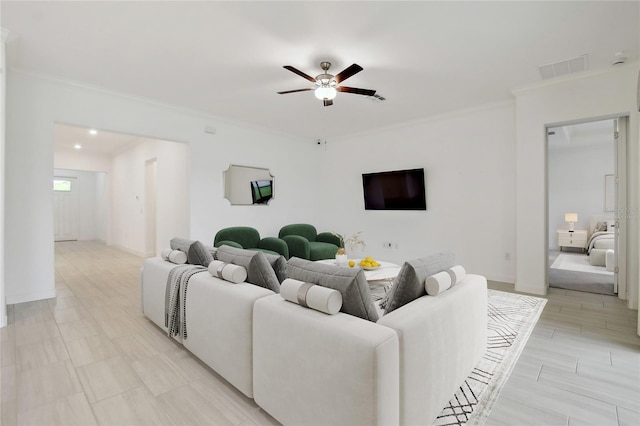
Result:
pixel 348 72
pixel 327 102
pixel 293 91
pixel 300 73
pixel 355 90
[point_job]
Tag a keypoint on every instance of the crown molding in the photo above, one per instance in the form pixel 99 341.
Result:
pixel 207 117
pixel 430 119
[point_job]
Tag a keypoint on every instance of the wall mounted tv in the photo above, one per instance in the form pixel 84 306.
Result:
pixel 395 190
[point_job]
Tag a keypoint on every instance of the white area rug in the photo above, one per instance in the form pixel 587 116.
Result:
pixel 578 262
pixel 512 318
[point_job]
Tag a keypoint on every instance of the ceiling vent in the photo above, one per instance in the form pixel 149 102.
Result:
pixel 568 66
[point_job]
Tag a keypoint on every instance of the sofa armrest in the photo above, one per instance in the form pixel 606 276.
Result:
pixel 329 237
pixel 314 368
pixel 298 246
pixel 442 339
pixel 275 244
pixel 229 243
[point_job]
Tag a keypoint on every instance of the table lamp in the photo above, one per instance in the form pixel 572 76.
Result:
pixel 571 218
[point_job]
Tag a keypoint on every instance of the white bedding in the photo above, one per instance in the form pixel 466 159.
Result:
pixel 600 239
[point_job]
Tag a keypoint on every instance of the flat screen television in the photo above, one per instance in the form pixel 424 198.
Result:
pixel 261 191
pixel 395 190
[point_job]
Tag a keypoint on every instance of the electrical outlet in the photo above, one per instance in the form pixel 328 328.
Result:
pixel 386 244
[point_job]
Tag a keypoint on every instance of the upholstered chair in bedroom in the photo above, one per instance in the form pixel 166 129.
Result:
pixel 246 237
pixel 304 242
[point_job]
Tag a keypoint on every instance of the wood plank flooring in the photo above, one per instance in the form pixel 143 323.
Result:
pixel 90 357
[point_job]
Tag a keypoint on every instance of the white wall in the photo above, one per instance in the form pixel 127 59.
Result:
pixel 576 185
pixel 172 199
pixel 36 104
pixel 3 37
pixel 469 174
pixel 89 202
pixel 80 160
pixel 595 95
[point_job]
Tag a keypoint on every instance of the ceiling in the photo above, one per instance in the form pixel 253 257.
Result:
pixel 98 142
pixel 226 58
pixel 579 136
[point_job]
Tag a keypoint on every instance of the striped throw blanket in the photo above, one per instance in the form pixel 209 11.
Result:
pixel 176 291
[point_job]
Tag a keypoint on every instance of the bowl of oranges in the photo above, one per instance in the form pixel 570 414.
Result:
pixel 368 264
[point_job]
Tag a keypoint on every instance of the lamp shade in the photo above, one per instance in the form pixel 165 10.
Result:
pixel 571 217
pixel 325 92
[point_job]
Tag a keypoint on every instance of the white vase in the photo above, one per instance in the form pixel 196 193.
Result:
pixel 341 257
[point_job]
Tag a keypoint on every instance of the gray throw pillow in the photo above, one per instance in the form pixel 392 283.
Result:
pixel 279 265
pixel 409 284
pixel 197 253
pixel 350 282
pixel 259 271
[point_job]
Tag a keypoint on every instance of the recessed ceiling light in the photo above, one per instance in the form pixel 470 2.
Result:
pixel 77 146
pixel 93 132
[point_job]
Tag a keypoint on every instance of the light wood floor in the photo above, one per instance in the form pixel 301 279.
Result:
pixel 90 357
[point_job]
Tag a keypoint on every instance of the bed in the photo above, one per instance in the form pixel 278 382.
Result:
pixel 601 240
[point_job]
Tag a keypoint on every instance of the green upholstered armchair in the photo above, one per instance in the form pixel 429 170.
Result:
pixel 245 237
pixel 305 242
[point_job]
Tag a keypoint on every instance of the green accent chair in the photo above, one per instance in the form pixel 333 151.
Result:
pixel 305 242
pixel 245 237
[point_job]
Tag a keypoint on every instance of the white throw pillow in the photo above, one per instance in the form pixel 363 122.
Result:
pixel 312 296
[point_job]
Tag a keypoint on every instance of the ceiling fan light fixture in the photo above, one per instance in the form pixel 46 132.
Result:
pixel 326 92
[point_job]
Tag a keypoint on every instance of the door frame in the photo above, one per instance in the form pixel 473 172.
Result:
pixel 621 157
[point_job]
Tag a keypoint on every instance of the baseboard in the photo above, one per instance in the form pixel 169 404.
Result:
pixel 30 297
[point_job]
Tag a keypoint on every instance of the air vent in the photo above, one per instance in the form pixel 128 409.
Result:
pixel 568 66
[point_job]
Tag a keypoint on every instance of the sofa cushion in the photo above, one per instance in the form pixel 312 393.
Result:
pixel 350 282
pixel 279 265
pixel 259 271
pixel 411 279
pixel 197 253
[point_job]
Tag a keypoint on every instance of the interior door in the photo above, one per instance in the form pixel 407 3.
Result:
pixel 620 271
pixel 65 208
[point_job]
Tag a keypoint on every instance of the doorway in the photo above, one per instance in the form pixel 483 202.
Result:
pixel 65 208
pixel 585 161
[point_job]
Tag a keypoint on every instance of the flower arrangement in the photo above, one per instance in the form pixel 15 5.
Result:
pixel 352 242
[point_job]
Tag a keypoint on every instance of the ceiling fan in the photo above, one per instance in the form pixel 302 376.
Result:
pixel 327 84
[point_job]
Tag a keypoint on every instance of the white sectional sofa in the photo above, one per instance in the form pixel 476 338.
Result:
pixel 306 367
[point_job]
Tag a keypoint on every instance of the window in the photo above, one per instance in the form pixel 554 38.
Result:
pixel 61 185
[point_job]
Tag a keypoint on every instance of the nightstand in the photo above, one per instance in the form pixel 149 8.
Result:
pixel 576 239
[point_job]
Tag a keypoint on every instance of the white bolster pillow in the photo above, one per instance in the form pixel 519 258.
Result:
pixel 174 256
pixel 228 271
pixel 437 283
pixel 312 296
pixel 457 274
